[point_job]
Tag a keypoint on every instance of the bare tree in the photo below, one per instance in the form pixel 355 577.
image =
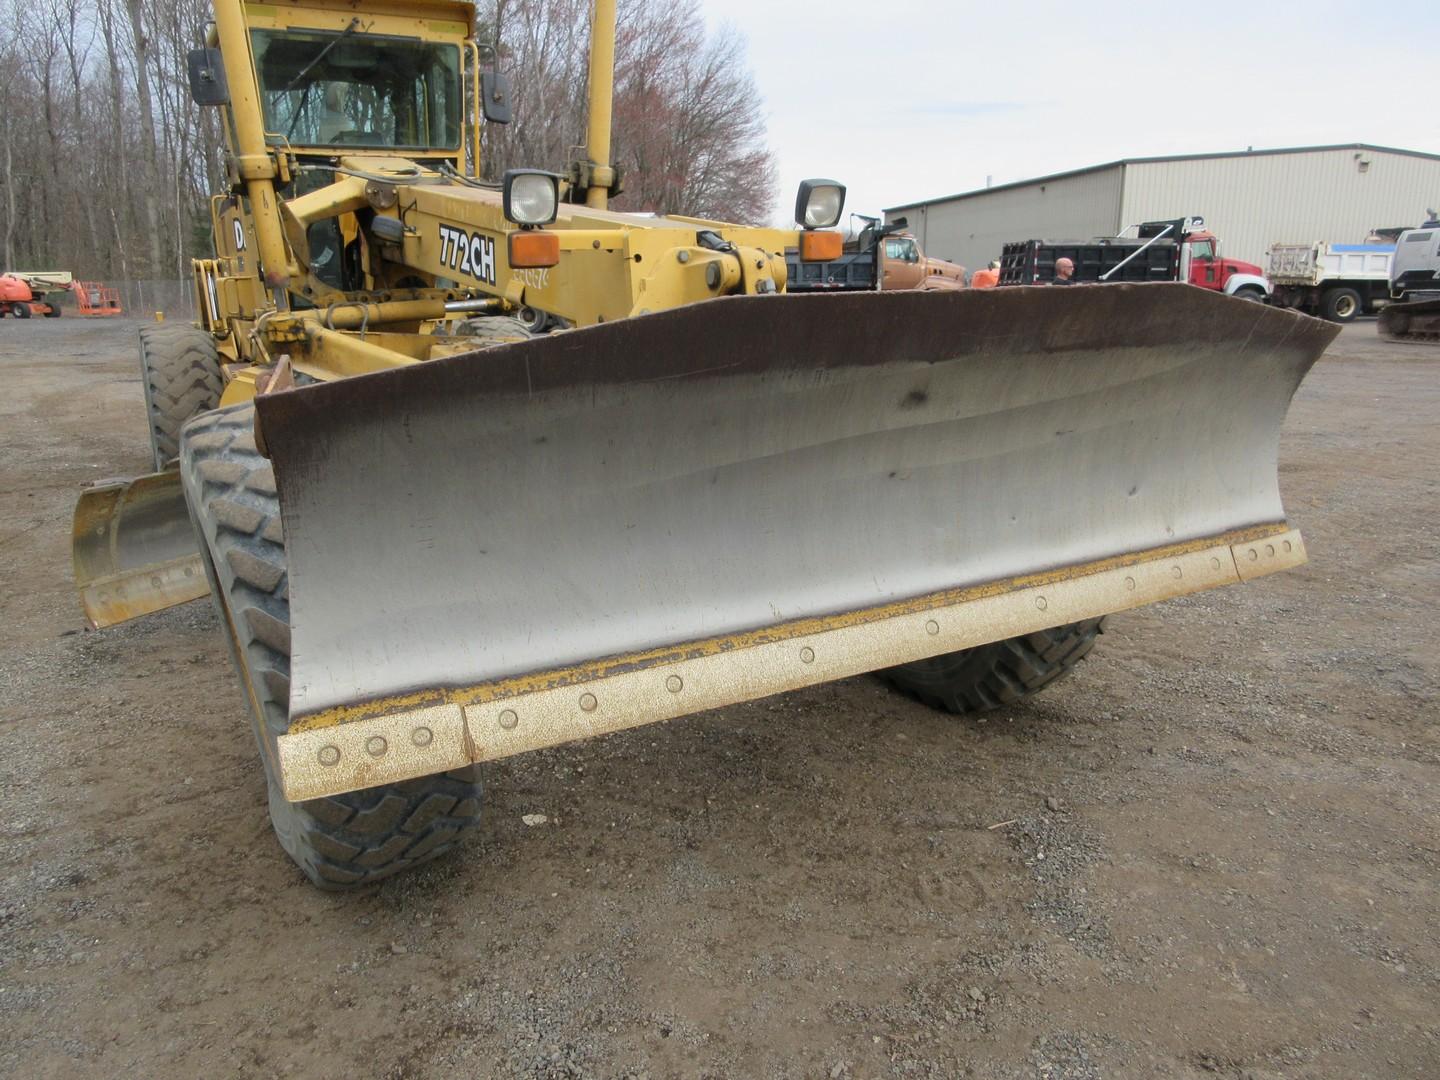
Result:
pixel 106 164
pixel 688 129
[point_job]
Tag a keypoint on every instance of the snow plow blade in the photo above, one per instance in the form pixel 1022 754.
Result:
pixel 506 550
pixel 1414 320
pixel 134 549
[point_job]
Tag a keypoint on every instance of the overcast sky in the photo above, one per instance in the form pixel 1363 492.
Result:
pixel 903 100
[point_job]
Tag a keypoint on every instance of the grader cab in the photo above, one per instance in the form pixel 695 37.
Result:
pixel 436 540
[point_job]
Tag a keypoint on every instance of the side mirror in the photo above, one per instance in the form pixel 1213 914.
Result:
pixel 495 97
pixel 207 77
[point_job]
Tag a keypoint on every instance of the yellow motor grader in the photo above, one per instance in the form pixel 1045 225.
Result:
pixel 437 538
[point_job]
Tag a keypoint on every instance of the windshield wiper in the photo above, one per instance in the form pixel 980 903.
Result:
pixel 322 54
pixel 305 97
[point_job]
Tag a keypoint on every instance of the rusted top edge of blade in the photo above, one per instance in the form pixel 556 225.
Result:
pixel 752 335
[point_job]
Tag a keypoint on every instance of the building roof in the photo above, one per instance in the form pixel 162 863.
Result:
pixel 1154 160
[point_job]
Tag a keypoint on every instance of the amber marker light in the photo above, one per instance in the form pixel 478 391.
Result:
pixel 531 249
pixel 820 246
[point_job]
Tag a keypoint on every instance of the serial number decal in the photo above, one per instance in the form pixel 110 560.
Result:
pixel 472 254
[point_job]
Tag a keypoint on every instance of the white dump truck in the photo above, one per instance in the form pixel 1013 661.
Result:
pixel 1335 281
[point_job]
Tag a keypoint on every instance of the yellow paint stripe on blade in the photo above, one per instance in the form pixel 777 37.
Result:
pixel 502 719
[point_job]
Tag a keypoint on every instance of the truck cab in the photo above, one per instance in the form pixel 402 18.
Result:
pixel 1203 266
pixel 1415 271
pixel 904 266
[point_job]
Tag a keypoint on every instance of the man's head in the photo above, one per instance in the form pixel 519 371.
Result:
pixel 994 264
pixel 1064 268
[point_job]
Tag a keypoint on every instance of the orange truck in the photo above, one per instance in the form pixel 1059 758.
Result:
pixel 26 293
pixel 881 257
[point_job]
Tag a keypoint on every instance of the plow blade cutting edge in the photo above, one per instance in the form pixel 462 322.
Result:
pixel 500 551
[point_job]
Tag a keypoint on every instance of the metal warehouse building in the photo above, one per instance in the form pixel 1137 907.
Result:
pixel 1249 199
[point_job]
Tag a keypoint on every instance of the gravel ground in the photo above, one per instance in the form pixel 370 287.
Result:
pixel 1219 853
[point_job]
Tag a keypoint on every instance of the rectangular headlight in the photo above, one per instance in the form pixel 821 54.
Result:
pixel 819 203
pixel 531 196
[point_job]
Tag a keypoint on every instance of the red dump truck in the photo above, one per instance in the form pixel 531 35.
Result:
pixel 1178 249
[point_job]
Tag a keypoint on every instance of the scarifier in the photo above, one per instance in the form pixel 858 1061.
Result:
pixel 436 540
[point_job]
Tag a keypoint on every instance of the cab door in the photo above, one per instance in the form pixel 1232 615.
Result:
pixel 900 263
pixel 1204 263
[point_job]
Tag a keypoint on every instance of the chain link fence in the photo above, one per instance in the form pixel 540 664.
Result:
pixel 142 298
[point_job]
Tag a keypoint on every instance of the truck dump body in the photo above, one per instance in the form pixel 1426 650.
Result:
pixel 854 271
pixel 1032 262
pixel 1312 264
pixel 609 527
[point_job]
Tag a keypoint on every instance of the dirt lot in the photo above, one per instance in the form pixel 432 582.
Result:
pixel 1220 851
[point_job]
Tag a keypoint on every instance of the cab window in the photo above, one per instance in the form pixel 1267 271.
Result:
pixel 1203 250
pixel 355 89
pixel 902 249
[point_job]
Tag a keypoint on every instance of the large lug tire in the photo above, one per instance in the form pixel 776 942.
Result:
pixel 22 311
pixel 180 369
pixel 1000 673
pixel 1341 305
pixel 1256 296
pixel 343 841
pixel 52 311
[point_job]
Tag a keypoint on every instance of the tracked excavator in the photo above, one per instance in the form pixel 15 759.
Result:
pixel 1413 313
pixel 435 540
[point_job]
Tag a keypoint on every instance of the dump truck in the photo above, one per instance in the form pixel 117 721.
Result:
pixel 1174 249
pixel 1413 313
pixel 882 256
pixel 24 293
pixel 1335 281
pixel 435 541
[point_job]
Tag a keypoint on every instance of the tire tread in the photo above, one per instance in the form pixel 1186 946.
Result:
pixel 342 841
pixel 180 366
pixel 999 673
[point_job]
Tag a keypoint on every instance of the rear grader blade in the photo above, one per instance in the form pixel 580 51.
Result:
pixel 505 550
pixel 1417 320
